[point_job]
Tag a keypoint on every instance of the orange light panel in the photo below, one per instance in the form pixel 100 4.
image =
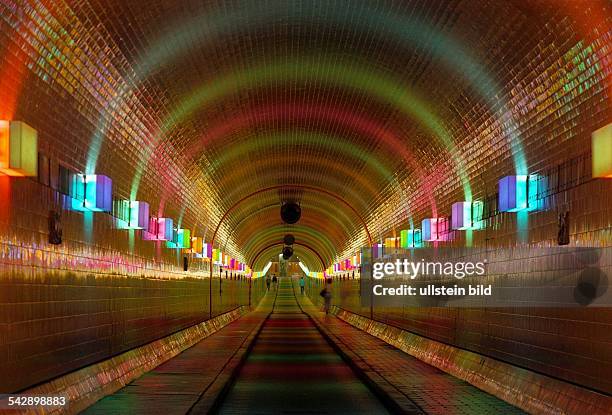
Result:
pixel 602 152
pixel 18 149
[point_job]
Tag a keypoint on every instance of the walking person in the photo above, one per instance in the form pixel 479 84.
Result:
pixel 274 281
pixel 302 284
pixel 268 282
pixel 327 295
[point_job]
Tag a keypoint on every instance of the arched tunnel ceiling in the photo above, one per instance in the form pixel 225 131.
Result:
pixel 364 112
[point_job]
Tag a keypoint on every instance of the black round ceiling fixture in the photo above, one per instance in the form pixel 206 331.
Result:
pixel 289 239
pixel 287 252
pixel 290 212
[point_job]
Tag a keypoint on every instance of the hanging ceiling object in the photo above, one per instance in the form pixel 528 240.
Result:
pixel 287 252
pixel 291 212
pixel 289 239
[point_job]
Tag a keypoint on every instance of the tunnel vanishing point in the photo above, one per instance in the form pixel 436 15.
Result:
pixel 202 203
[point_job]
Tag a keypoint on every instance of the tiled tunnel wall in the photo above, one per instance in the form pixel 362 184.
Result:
pixel 68 306
pixel 573 344
pixel 103 290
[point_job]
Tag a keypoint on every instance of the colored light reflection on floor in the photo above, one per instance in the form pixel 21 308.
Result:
pixel 293 368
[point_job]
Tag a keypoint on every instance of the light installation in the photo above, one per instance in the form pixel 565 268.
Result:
pixel 18 149
pixel 217 257
pixel 197 246
pixel 411 238
pixel 518 193
pixel 136 217
pixel 181 239
pixel 391 242
pixel 207 251
pixel 601 141
pixel 433 229
pixel 92 193
pixel 160 229
pixel 466 215
pixel 377 250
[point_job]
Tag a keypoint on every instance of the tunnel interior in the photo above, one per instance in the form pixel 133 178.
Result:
pixel 160 161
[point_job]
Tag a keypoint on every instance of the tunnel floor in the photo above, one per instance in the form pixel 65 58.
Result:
pixel 293 369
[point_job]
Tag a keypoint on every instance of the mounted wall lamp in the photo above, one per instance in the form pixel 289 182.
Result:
pixel 160 229
pixel 410 238
pixel 434 229
pixel 377 250
pixel 601 147
pixel 466 215
pixel 136 215
pixel 197 246
pixel 181 239
pixel 18 149
pixel 92 193
pixel 518 193
pixel 207 251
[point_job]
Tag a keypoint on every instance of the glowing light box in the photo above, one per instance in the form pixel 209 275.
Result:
pixel 390 242
pixel 466 215
pixel 207 251
pixel 197 246
pixel 217 256
pixel 601 147
pixel 138 216
pixel 160 229
pixel 18 149
pixel 377 251
pixel 410 238
pixel 518 193
pixel 181 239
pixel 92 192
pixel 432 229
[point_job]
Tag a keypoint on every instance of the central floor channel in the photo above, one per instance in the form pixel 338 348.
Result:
pixel 292 369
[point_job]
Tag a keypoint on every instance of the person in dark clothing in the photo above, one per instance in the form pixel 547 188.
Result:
pixel 327 295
